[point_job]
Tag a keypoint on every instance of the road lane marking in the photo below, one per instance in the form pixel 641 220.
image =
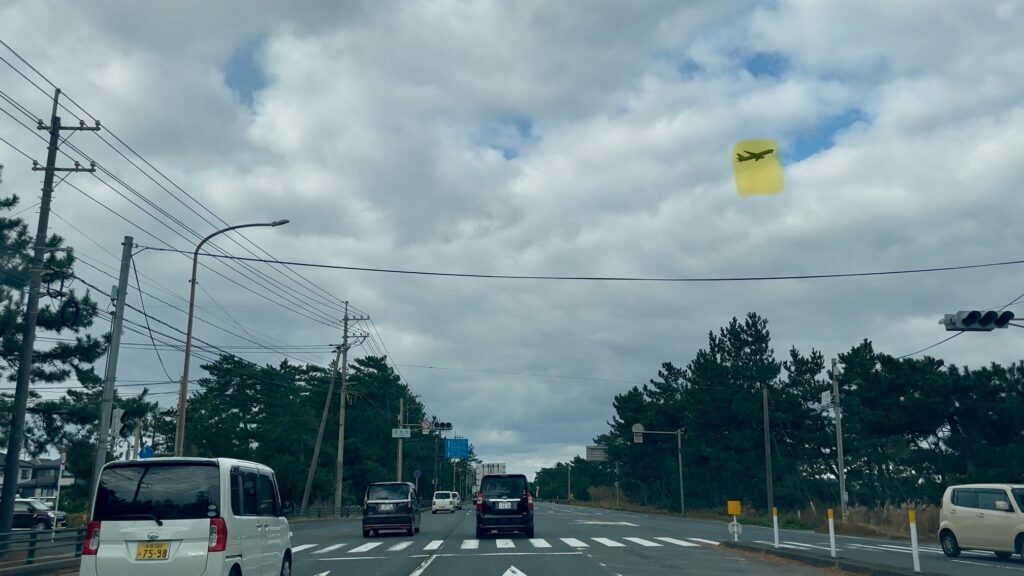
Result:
pixel 539 543
pixel 575 543
pixel 323 573
pixel 642 542
pixel 302 547
pixel 703 541
pixel 400 546
pixel 780 545
pixel 902 549
pixel 513 571
pixel 683 543
pixel 333 558
pixel 504 543
pixel 609 542
pixel 470 544
pixel 365 547
pixel 804 544
pixel 328 549
pixel 434 545
pixel 423 566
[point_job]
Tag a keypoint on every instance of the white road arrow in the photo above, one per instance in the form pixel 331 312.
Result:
pixel 513 571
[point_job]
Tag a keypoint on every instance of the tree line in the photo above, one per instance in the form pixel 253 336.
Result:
pixel 911 427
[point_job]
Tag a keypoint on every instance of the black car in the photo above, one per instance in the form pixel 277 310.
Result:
pixel 504 504
pixel 30 513
pixel 391 506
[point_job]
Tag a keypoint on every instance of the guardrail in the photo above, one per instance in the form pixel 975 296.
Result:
pixel 44 550
pixel 326 512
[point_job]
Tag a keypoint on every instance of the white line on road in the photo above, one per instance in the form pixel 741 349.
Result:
pixel 609 542
pixel 434 545
pixel 642 542
pixel 513 571
pixel 365 547
pixel 419 570
pixel 575 543
pixel 504 543
pixel 400 546
pixel 806 545
pixel 988 565
pixel 683 543
pixel 329 548
pixel 470 544
pixel 703 541
pixel 302 547
pixel 323 573
pixel 539 543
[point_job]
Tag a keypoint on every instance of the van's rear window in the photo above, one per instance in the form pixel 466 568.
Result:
pixel 513 486
pixel 158 491
pixel 388 492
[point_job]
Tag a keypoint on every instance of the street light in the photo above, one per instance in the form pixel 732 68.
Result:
pixel 638 438
pixel 179 437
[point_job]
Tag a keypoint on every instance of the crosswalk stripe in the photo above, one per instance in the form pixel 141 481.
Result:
pixel 328 549
pixel 575 543
pixel 642 542
pixel 608 542
pixel 302 547
pixel 365 547
pixel 539 543
pixel 434 545
pixel 400 546
pixel 470 544
pixel 682 543
pixel 504 543
pixel 703 541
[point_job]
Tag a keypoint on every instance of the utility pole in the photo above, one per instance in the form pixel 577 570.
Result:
pixel 401 410
pixel 16 434
pixel 679 447
pixel 768 451
pixel 839 440
pixel 320 432
pixel 342 404
pixel 568 496
pixel 436 465
pixel 99 457
pixel 617 484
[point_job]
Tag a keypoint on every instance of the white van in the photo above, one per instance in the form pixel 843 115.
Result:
pixel 187 517
pixel 982 517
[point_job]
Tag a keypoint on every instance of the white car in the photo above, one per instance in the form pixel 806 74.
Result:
pixel 187 517
pixel 982 517
pixel 442 502
pixel 458 500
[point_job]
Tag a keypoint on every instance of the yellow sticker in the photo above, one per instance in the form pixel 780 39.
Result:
pixel 757 167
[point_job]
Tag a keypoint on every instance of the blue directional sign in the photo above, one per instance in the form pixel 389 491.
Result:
pixel 456 447
pixel 417 473
pixel 146 452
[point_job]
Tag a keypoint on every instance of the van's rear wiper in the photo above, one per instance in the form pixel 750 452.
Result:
pixel 152 517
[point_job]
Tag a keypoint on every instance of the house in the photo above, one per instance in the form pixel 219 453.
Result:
pixel 24 470
pixel 37 478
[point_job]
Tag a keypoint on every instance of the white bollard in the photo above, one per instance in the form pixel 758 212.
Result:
pixel 912 516
pixel 775 525
pixel 831 533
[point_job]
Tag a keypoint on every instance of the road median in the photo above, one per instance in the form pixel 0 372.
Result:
pixel 813 559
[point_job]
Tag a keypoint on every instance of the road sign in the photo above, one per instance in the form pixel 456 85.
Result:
pixel 638 433
pixel 735 528
pixel 733 508
pixel 146 452
pixel 401 433
pixel 417 473
pixel 597 454
pixel 456 447
pixel 826 398
pixel 426 424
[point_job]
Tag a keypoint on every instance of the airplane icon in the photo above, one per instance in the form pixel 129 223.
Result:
pixel 755 156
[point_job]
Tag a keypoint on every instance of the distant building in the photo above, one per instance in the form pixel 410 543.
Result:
pixel 37 478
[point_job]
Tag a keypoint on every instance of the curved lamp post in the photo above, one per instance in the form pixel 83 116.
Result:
pixel 179 437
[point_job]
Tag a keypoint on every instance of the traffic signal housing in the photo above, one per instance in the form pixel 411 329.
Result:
pixel 977 320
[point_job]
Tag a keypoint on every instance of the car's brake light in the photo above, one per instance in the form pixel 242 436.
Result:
pixel 218 535
pixel 529 500
pixel 92 539
pixel 479 498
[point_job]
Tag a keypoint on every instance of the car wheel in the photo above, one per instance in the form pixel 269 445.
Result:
pixel 480 533
pixel 410 531
pixel 39 527
pixel 433 511
pixel 286 567
pixel 950 547
pixel 529 531
pixel 1004 555
pixel 417 529
pixel 366 533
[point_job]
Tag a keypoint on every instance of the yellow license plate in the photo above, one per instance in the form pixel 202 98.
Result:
pixel 152 550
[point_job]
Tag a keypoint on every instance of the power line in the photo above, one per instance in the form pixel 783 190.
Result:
pixel 706 279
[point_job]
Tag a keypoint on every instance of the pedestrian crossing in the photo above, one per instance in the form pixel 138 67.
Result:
pixel 852 546
pixel 499 545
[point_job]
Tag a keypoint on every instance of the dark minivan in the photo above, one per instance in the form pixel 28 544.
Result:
pixel 504 504
pixel 391 506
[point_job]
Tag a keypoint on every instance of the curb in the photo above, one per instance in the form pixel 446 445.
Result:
pixel 844 564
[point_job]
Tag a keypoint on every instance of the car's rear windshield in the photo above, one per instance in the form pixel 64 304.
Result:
pixel 158 491
pixel 388 492
pixel 503 486
pixel 442 495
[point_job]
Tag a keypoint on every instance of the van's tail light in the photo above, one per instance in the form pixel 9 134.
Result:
pixel 92 539
pixel 529 500
pixel 479 497
pixel 218 535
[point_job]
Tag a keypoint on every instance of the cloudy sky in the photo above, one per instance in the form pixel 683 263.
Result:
pixel 539 138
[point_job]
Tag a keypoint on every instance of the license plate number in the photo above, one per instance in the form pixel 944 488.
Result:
pixel 387 507
pixel 152 551
pixel 504 505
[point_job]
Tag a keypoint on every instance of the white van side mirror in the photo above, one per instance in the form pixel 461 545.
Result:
pixel 1002 505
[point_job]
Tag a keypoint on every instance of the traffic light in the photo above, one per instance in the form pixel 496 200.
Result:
pixel 443 426
pixel 976 320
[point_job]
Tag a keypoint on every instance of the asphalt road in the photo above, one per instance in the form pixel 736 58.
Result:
pixel 570 541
